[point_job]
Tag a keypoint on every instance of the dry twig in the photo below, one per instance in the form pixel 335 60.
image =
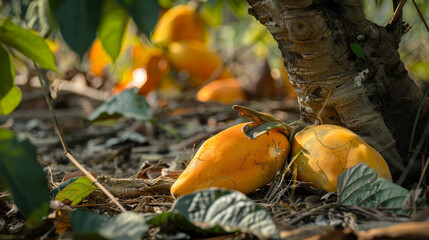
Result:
pixel 44 81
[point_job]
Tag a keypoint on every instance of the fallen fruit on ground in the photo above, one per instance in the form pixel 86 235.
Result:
pixel 323 152
pixel 226 91
pixel 194 58
pixel 230 160
pixel 179 23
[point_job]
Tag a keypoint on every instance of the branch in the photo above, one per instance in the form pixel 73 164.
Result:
pixel 43 82
pixel 398 13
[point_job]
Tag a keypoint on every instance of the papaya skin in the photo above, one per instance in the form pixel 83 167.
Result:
pixel 179 23
pixel 230 160
pixel 323 152
pixel 226 91
pixel 194 58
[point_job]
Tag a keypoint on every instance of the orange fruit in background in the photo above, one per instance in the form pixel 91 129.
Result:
pixel 325 151
pixel 179 23
pixel 156 68
pixel 226 91
pixel 98 58
pixel 194 58
pixel 230 160
pixel 147 75
pixel 287 85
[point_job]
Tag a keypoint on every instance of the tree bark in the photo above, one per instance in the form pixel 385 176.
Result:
pixel 372 96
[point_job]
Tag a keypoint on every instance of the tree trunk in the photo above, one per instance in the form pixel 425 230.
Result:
pixel 372 96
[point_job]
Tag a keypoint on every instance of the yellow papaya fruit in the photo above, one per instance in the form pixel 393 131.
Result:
pixel 226 91
pixel 179 23
pixel 194 58
pixel 231 160
pixel 323 152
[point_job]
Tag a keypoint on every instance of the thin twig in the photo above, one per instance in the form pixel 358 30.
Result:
pixel 421 15
pixel 323 108
pixel 422 176
pixel 312 211
pixel 43 81
pixel 397 13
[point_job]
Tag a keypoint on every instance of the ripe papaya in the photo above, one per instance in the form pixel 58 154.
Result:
pixel 156 68
pixel 323 152
pixel 226 91
pixel 194 58
pixel 146 75
pixel 179 23
pixel 231 160
pixel 98 58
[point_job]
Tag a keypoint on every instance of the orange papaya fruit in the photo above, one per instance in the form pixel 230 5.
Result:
pixel 226 91
pixel 323 152
pixel 194 58
pixel 98 58
pixel 179 23
pixel 230 160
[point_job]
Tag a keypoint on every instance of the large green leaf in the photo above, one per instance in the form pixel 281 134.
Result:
pixel 219 211
pixel 144 13
pixel 112 26
pixel 128 104
pixel 31 45
pixel 78 21
pixel 24 177
pixel 124 226
pixel 76 190
pixel 361 186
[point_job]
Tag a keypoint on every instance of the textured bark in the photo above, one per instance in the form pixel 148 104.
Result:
pixel 374 97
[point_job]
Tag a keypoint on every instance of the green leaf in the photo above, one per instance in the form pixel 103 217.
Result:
pixel 144 13
pixel 128 104
pixel 112 27
pixel 23 176
pixel 361 186
pixel 357 49
pixel 7 71
pixel 124 226
pixel 238 7
pixel 53 193
pixel 28 43
pixel 10 101
pixel 10 95
pixel 219 211
pixel 166 3
pixel 77 190
pixel 212 12
pixel 78 21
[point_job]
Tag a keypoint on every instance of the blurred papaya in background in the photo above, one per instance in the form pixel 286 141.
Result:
pixel 186 52
pixel 180 23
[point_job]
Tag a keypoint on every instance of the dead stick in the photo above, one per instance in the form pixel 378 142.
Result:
pixel 43 80
pixel 421 15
